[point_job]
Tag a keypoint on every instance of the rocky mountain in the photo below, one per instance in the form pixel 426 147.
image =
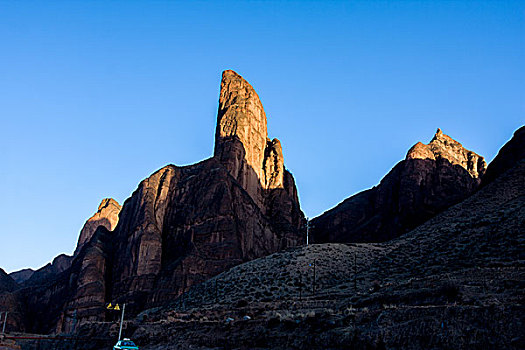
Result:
pixel 182 226
pixel 59 264
pixel 22 275
pixel 106 215
pixel 432 178
pixel 456 281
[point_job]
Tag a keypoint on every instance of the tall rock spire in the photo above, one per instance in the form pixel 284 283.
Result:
pixel 241 138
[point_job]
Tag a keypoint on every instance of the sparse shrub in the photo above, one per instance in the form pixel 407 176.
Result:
pixel 241 303
pixel 450 290
pixel 375 286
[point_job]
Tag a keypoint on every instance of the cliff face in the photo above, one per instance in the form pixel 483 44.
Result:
pixel 454 282
pixel 180 227
pixel 106 215
pixel 9 301
pixel 432 178
pixel 184 225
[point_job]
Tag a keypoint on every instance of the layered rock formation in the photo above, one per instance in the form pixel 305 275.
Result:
pixel 454 282
pixel 432 178
pixel 9 301
pixel 186 224
pixel 106 215
pixel 180 227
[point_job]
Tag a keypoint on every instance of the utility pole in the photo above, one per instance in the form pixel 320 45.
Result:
pixel 301 287
pixel 307 230
pixel 121 321
pixel 355 272
pixel 314 278
pixel 216 291
pixel 5 320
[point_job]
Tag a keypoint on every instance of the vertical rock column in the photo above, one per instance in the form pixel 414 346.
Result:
pixel 241 138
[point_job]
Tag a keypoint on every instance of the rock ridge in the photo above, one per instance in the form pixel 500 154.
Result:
pixel 430 179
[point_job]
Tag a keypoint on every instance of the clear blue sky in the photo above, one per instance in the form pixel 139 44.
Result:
pixel 97 95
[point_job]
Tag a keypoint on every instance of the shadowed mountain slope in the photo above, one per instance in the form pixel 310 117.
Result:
pixel 22 275
pixel 7 283
pixel 509 154
pixel 431 178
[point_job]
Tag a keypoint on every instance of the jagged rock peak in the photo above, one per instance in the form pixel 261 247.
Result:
pixel 241 138
pixel 241 118
pixel 106 215
pixel 106 203
pixel 444 147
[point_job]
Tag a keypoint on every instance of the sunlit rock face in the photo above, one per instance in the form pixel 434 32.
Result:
pixel 183 225
pixel 241 139
pixel 444 147
pixel 433 177
pixel 106 215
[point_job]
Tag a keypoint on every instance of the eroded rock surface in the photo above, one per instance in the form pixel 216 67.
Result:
pixel 180 227
pixel 106 215
pixel 432 178
pixel 454 282
pixel 184 225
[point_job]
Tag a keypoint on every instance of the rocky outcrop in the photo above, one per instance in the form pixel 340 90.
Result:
pixel 432 178
pixel 184 225
pixel 444 147
pixel 88 283
pixel 180 227
pixel 106 215
pixel 511 153
pixel 241 139
pixel 22 275
pixel 41 276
